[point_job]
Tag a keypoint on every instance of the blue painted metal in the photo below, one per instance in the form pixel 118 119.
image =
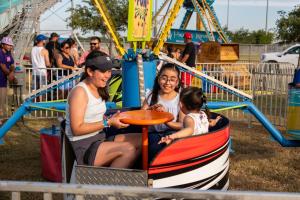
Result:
pixel 22 110
pixel 130 83
pixel 296 79
pixel 261 118
pixel 186 18
pixel 5 4
pixel 28 107
pixel 198 9
pixel 176 36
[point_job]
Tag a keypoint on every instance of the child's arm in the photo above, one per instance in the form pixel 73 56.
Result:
pixel 213 122
pixel 179 124
pixel 188 130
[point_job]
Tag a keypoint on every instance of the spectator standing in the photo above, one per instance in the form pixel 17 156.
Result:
pixel 94 46
pixel 40 61
pixel 53 48
pixel 188 57
pixel 66 63
pixel 6 72
pixel 74 51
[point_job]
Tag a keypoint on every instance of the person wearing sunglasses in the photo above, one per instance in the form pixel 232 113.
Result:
pixel 67 65
pixel 94 46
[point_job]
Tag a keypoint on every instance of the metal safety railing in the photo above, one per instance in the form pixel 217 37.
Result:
pixel 267 83
pixel 79 192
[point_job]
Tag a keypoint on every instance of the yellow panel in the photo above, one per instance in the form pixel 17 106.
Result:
pixel 293 118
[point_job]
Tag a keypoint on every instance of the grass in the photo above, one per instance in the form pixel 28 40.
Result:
pixel 258 163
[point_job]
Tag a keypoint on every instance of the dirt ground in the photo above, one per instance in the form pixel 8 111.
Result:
pixel 257 164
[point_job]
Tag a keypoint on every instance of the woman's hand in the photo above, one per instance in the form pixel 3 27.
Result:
pixel 115 121
pixel 157 107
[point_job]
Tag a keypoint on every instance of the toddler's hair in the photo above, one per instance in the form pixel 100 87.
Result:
pixel 193 98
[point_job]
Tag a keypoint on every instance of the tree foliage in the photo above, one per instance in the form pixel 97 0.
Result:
pixel 244 36
pixel 288 26
pixel 86 17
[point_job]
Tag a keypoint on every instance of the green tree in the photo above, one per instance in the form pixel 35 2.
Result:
pixel 288 26
pixel 86 17
pixel 244 36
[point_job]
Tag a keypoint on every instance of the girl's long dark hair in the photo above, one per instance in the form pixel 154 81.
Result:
pixel 156 87
pixel 193 98
pixel 103 92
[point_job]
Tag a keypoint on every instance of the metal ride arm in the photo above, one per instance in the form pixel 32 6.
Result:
pixel 211 80
pixel 276 134
pixel 100 5
pixel 199 12
pixel 168 26
pixel 186 18
pixel 215 21
pixel 159 10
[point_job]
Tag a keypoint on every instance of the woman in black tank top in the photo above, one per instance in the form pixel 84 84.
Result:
pixel 65 60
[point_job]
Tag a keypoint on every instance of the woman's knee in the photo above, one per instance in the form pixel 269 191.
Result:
pixel 129 146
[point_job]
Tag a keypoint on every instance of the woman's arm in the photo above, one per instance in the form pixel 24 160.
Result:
pixel 145 105
pixel 79 127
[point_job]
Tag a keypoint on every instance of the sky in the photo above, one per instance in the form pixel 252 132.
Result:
pixel 247 14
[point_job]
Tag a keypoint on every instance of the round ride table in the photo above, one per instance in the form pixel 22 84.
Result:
pixel 145 118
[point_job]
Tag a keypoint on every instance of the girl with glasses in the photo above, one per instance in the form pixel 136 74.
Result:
pixel 164 97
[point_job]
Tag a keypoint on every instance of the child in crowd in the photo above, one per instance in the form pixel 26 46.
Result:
pixel 195 121
pixel 164 97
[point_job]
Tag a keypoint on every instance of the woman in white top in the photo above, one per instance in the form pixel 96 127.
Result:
pixel 195 121
pixel 164 97
pixel 85 120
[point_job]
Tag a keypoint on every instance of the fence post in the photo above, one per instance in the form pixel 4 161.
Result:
pixel 16 196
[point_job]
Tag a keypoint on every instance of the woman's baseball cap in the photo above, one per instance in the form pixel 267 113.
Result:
pixel 7 40
pixel 102 63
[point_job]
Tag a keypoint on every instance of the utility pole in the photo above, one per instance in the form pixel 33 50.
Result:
pixel 227 23
pixel 72 12
pixel 267 14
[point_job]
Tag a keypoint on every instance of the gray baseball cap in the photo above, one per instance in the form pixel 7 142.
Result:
pixel 103 63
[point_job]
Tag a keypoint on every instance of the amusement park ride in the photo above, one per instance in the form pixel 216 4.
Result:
pixel 204 161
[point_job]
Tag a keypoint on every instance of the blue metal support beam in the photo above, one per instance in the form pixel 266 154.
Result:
pixel 276 134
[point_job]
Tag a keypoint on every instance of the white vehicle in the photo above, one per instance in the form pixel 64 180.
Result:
pixel 290 55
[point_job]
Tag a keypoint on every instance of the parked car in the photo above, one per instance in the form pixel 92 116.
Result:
pixel 290 55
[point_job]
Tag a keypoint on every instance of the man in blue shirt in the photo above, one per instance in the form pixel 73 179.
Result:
pixel 6 72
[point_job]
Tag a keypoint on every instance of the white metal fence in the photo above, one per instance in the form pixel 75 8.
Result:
pixel 123 192
pixel 267 82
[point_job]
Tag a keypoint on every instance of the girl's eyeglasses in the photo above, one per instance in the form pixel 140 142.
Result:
pixel 165 79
